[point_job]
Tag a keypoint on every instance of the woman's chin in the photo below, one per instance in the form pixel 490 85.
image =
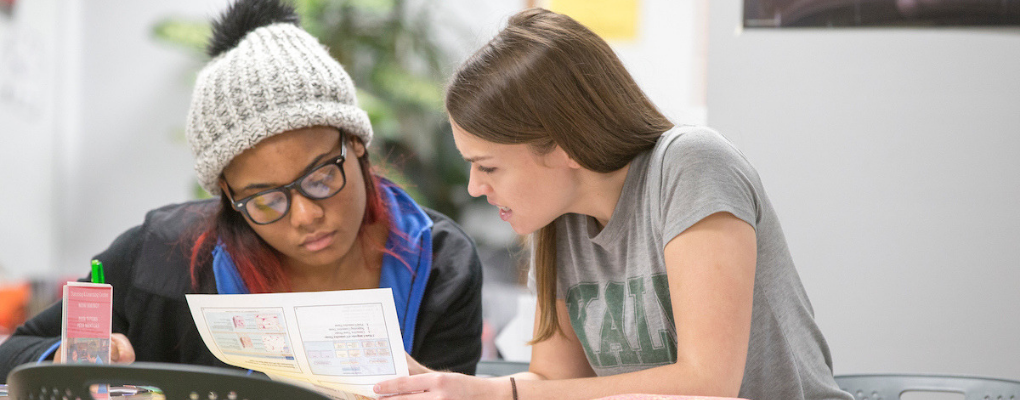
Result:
pixel 317 259
pixel 522 230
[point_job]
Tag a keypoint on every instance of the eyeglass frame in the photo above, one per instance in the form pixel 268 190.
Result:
pixel 241 205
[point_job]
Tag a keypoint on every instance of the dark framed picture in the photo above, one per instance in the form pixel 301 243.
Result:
pixel 879 13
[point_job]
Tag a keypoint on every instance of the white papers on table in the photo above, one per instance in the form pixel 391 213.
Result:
pixel 340 343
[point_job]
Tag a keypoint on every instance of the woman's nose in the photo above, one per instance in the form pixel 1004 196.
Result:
pixel 303 210
pixel 476 187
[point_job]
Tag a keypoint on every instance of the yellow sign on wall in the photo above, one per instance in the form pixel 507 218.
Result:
pixel 610 19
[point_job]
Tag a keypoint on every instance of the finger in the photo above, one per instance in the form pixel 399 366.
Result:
pixel 403 385
pixel 410 396
pixel 56 354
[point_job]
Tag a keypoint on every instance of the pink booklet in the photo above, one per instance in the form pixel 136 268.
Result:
pixel 85 333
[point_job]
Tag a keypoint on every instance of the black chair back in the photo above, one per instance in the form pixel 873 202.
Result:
pixel 176 381
pixel 892 386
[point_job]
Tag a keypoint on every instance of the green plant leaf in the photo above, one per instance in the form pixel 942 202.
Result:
pixel 199 193
pixel 189 34
pixel 409 88
pixel 374 6
pixel 382 116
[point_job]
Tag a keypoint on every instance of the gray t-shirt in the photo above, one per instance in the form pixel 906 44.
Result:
pixel 614 280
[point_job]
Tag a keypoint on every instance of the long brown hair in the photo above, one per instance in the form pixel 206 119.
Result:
pixel 545 80
pixel 259 264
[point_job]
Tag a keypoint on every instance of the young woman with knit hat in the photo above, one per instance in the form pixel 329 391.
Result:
pixel 279 139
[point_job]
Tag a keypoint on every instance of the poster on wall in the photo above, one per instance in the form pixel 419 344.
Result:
pixel 880 13
pixel 615 20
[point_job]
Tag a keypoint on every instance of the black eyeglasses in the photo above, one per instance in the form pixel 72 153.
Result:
pixel 323 182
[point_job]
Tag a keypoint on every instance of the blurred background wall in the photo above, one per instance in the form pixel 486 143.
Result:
pixel 100 142
pixel 888 154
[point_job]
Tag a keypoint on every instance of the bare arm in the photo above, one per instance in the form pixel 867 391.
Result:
pixel 561 356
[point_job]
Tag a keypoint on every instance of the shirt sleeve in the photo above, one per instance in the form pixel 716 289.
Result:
pixel 703 174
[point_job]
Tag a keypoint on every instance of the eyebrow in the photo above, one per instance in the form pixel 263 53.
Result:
pixel 476 159
pixel 258 186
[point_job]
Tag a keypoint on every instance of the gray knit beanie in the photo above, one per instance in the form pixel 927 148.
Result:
pixel 275 79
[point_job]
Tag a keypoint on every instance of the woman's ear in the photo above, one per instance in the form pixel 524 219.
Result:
pixel 357 147
pixel 223 187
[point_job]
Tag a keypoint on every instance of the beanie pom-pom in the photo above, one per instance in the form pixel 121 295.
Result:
pixel 245 16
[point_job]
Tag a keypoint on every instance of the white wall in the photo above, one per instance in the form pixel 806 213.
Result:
pixel 890 155
pixel 667 57
pixel 30 51
pixel 107 145
pixel 129 153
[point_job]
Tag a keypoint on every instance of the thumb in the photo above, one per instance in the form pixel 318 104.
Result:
pixel 121 351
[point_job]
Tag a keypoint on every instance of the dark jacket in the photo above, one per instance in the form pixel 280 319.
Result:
pixel 148 267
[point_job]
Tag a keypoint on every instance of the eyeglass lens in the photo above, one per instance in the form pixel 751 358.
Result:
pixel 321 183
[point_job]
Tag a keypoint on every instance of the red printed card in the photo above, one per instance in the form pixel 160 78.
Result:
pixel 88 308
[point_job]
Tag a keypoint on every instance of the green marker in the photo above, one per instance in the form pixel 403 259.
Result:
pixel 97 272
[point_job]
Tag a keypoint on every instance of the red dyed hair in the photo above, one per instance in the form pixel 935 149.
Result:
pixel 258 263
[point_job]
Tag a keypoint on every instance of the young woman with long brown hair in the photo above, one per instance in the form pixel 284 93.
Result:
pixel 659 261
pixel 279 139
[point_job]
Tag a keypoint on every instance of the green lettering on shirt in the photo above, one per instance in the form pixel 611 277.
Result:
pixel 661 286
pixel 577 300
pixel 615 349
pixel 648 353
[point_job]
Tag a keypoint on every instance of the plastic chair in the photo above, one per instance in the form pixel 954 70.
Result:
pixel 176 381
pixel 500 367
pixel 892 386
